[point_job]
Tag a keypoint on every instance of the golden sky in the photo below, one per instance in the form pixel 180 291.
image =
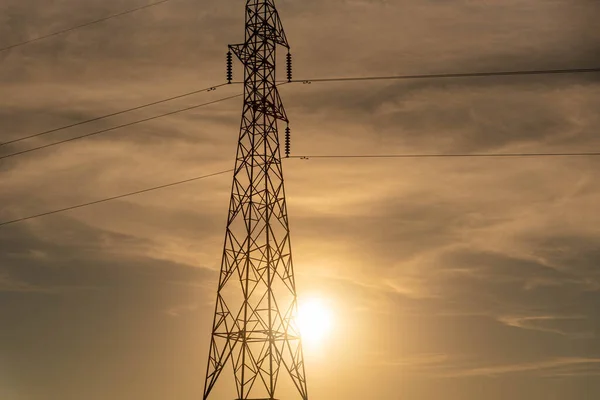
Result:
pixel 453 279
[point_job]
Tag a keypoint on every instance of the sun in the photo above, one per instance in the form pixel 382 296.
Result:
pixel 315 321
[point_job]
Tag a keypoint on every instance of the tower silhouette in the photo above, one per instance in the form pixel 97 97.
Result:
pixel 254 330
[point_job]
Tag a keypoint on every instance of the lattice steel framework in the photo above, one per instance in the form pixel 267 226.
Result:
pixel 253 328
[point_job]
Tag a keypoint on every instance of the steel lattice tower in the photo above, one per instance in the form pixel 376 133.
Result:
pixel 253 328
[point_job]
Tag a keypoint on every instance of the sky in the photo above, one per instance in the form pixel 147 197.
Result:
pixel 453 279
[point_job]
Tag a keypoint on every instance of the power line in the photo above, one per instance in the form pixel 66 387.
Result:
pixel 479 155
pixel 464 155
pixel 120 126
pixel 128 124
pixel 197 178
pixel 457 75
pixel 112 114
pixel 339 79
pixel 12 46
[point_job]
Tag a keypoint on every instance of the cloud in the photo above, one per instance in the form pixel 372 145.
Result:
pixel 7 284
pixel 452 268
pixel 546 367
pixel 454 366
pixel 180 310
pixel 420 361
pixel 67 255
pixel 561 325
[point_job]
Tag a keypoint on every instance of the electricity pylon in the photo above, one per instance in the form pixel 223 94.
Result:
pixel 253 328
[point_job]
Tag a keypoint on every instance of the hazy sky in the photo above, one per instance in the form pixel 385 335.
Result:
pixel 453 279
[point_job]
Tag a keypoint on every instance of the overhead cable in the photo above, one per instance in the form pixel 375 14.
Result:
pixel 87 121
pixel 463 155
pixel 305 81
pixel 197 178
pixel 480 155
pixel 119 126
pixel 452 75
pixel 60 32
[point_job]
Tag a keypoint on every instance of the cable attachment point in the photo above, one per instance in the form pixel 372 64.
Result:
pixel 229 67
pixel 288 58
pixel 288 143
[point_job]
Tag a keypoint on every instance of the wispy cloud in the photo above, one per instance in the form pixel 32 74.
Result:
pixel 545 367
pixel 8 284
pixel 444 257
pixel 420 361
pixel 548 323
pixel 180 310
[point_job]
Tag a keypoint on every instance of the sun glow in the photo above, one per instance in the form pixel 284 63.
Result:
pixel 315 321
